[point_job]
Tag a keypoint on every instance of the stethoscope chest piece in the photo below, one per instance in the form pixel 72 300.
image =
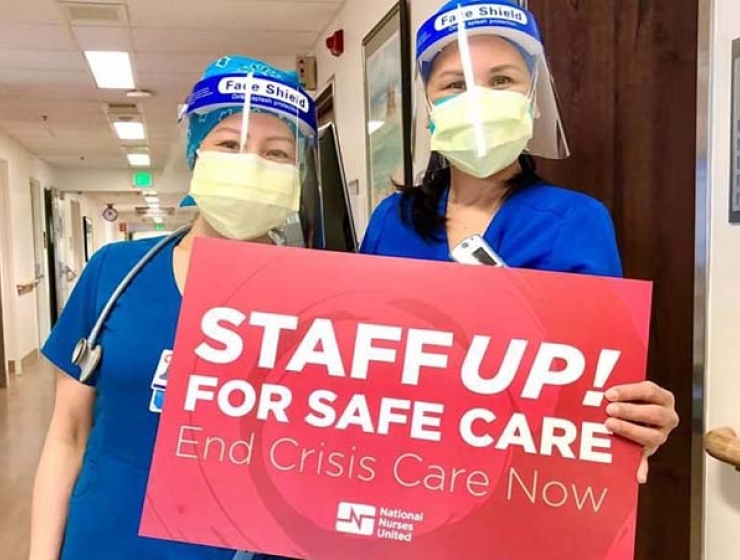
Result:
pixel 87 357
pixel 80 349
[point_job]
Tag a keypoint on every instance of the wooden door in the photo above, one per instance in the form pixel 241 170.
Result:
pixel 626 72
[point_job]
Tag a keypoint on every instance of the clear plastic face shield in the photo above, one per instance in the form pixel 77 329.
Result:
pixel 249 142
pixel 484 89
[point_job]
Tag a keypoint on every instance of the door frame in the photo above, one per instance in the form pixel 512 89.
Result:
pixel 51 256
pixel 77 237
pixel 41 274
pixel 6 262
pixel 701 274
pixel 325 102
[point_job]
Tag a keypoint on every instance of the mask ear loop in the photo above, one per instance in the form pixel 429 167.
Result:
pixel 467 64
pixel 246 112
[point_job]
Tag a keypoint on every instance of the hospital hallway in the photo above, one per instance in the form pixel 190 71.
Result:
pixel 25 410
pixel 625 116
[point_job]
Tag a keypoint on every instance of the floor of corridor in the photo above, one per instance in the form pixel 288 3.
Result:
pixel 25 409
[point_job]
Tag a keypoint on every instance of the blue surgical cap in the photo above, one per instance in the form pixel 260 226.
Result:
pixel 428 30
pixel 201 125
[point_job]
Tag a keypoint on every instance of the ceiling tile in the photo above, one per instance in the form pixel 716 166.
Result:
pixel 185 63
pixel 230 15
pixel 38 92
pixel 30 114
pixel 35 37
pixel 47 78
pixel 92 38
pixel 93 162
pixel 42 60
pixel 31 11
pixel 180 82
pixel 193 65
pixel 257 43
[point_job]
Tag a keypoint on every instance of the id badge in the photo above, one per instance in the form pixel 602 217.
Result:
pixel 159 381
pixel 156 404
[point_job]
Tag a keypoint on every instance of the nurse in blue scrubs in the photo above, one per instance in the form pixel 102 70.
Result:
pixel 490 103
pixel 92 477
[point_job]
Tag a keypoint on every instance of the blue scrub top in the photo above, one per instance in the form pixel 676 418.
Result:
pixel 108 497
pixel 539 226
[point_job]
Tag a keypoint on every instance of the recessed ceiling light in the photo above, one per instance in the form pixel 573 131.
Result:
pixel 130 130
pixel 111 69
pixel 139 160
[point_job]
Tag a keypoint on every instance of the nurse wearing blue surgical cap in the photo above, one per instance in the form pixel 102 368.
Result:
pixel 246 153
pixel 491 105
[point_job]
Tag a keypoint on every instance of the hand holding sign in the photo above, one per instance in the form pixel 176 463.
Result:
pixel 647 404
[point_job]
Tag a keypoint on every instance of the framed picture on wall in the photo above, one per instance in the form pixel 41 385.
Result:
pixel 735 146
pixel 386 53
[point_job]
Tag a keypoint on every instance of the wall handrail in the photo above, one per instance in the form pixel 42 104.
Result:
pixel 27 287
pixel 724 445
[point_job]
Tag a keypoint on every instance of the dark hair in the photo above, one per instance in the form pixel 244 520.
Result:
pixel 420 203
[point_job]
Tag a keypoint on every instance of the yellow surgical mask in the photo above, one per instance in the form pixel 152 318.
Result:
pixel 482 131
pixel 244 196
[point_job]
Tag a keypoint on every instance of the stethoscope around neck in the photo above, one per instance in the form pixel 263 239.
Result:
pixel 88 352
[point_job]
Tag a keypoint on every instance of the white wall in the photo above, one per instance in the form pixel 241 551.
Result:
pixel 92 209
pixel 87 180
pixel 722 484
pixel 22 334
pixel 357 18
pixel 102 234
pixel 21 319
pixel 6 264
pixel 173 183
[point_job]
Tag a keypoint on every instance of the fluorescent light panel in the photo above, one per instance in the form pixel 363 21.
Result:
pixel 139 160
pixel 129 130
pixel 111 69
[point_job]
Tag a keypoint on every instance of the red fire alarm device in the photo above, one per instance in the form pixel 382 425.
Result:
pixel 335 43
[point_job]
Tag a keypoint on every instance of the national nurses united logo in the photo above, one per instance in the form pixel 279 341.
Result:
pixel 356 519
pixel 382 523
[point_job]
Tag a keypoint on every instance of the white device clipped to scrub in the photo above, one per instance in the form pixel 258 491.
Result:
pixel 475 250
